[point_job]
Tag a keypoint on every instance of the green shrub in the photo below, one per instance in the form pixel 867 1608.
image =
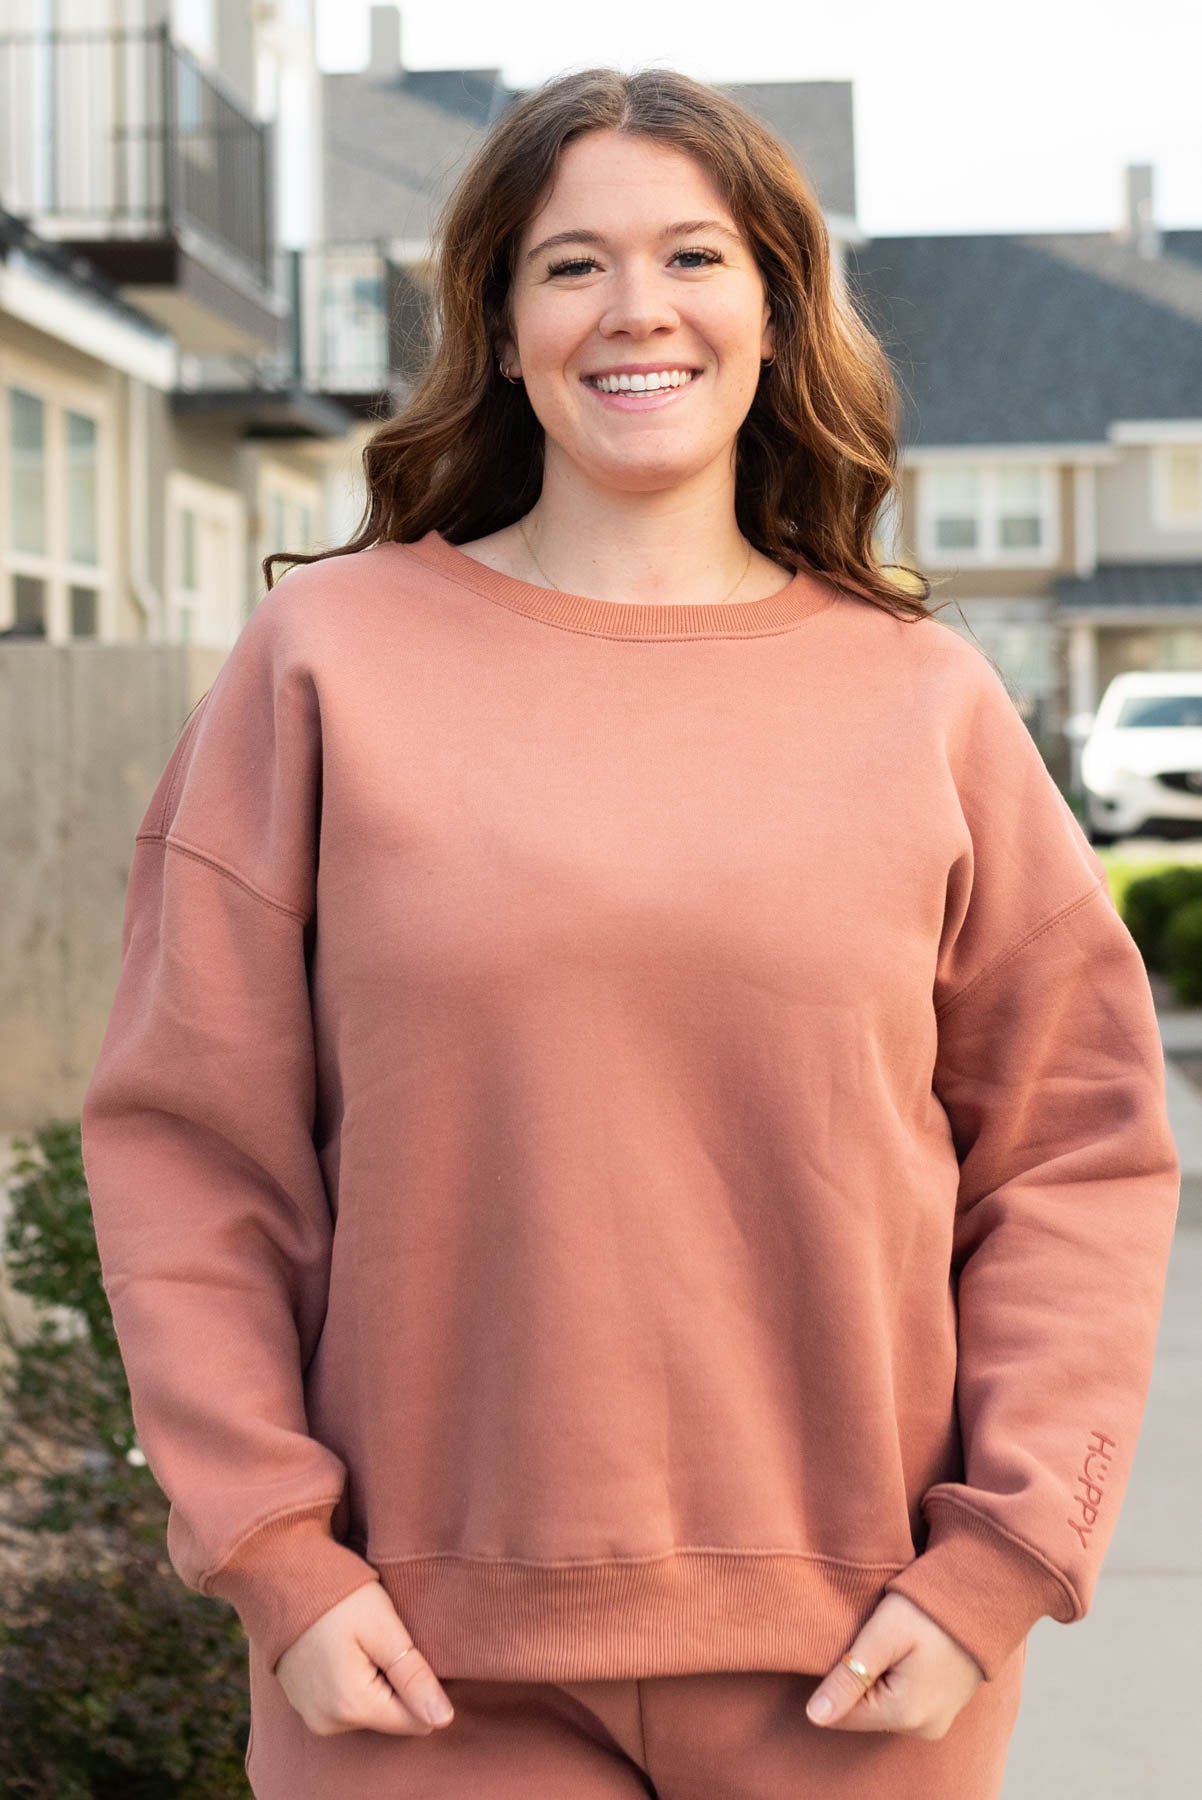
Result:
pixel 1149 901
pixel 1182 951
pixel 120 1685
pixel 65 1387
pixel 116 1681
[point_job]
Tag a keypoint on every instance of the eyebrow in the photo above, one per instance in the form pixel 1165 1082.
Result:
pixel 684 228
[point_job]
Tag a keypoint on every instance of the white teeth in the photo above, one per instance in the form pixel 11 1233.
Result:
pixel 638 384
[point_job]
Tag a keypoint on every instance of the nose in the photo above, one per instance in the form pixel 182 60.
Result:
pixel 637 305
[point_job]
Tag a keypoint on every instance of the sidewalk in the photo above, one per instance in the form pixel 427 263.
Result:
pixel 1181 1035
pixel 1185 1116
pixel 1105 1712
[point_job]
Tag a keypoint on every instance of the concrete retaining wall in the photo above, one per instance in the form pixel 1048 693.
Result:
pixel 85 730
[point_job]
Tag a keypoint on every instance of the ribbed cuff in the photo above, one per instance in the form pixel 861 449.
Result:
pixel 980 1584
pixel 283 1576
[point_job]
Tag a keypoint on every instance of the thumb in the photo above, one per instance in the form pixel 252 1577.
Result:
pixel 875 1648
pixel 408 1682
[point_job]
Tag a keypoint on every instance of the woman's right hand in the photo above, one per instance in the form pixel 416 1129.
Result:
pixel 334 1672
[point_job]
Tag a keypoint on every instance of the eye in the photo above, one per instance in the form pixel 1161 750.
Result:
pixel 585 262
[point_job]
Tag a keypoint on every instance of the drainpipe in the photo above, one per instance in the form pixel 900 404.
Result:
pixel 140 473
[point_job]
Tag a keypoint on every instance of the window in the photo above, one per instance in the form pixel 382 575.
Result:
pixel 1177 486
pixel 55 543
pixel 1153 711
pixel 83 539
pixel 187 549
pixel 886 535
pixel 83 612
pixel 27 439
pixel 188 594
pixel 206 577
pixel 956 496
pixel 289 504
pixel 353 308
pixel 1020 507
pixel 987 513
pixel 29 603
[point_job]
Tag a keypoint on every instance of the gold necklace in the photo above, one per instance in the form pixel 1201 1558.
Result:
pixel 552 586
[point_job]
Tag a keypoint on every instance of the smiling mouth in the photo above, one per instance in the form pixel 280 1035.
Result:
pixel 641 384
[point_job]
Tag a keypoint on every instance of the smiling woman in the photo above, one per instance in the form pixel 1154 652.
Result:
pixel 648 513
pixel 630 1156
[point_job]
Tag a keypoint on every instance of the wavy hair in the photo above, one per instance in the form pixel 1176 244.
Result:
pixel 816 456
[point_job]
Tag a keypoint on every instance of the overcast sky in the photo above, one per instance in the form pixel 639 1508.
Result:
pixel 1014 117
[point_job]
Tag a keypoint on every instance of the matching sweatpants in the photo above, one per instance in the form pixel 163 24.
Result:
pixel 739 1736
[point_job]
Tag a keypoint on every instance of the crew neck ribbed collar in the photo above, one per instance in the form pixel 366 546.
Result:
pixel 808 593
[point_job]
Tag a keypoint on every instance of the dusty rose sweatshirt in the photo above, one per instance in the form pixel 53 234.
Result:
pixel 638 1126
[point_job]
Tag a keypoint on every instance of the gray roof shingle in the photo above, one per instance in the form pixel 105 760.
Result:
pixel 1005 339
pixel 1149 585
pixel 394 148
pixel 815 118
pixel 395 145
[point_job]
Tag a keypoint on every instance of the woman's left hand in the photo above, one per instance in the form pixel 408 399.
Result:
pixel 923 1676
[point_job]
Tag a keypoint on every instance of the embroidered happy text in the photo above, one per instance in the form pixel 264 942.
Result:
pixel 1090 1484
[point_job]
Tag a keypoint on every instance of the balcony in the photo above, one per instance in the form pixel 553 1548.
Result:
pixel 358 325
pixel 120 146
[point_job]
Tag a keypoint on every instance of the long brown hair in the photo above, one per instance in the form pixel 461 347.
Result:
pixel 816 456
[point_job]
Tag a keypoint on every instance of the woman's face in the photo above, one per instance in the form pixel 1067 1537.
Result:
pixel 625 284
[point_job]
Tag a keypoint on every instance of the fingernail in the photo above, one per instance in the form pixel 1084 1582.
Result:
pixel 439 1709
pixel 819 1707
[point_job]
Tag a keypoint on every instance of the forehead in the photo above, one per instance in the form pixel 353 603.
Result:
pixel 619 184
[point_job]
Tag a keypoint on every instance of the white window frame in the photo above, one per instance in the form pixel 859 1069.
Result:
pixel 988 552
pixel 296 493
pixel 211 614
pixel 59 394
pixel 1163 515
pixel 888 536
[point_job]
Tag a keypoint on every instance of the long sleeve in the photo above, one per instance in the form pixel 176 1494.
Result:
pixel 212 1217
pixel 1051 1072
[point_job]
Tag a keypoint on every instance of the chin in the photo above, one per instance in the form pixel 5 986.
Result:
pixel 635 476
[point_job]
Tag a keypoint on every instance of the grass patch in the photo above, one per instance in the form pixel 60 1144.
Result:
pixel 1122 870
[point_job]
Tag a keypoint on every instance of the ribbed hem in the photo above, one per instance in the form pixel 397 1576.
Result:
pixel 808 593
pixel 981 1585
pixel 687 1612
pixel 283 1576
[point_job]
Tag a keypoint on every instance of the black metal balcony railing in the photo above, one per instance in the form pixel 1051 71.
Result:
pixel 358 328
pixel 122 134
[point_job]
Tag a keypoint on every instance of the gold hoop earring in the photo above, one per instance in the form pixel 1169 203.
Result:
pixel 766 362
pixel 515 379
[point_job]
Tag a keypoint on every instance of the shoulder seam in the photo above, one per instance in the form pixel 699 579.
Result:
pixel 177 756
pixel 1004 956
pixel 222 868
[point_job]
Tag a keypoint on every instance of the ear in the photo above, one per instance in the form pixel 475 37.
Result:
pixel 768 346
pixel 507 355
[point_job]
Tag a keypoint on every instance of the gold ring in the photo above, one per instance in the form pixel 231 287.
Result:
pixel 396 1660
pixel 857 1668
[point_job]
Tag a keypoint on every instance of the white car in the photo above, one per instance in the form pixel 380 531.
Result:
pixel 1141 762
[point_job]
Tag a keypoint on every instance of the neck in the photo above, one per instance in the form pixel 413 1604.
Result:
pixel 673 548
